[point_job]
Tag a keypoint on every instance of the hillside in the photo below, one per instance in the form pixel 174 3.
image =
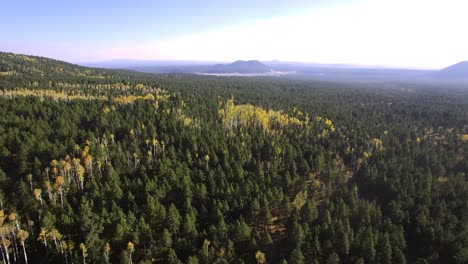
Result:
pixel 17 70
pixel 17 64
pixel 456 71
pixel 108 166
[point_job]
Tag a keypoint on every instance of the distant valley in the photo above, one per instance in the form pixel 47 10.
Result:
pixel 456 73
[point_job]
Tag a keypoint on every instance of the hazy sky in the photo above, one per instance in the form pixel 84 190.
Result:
pixel 402 33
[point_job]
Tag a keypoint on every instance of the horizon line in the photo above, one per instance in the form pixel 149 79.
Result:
pixel 357 65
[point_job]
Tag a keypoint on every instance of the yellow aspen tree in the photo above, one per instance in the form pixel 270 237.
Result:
pixel 154 142
pixel 67 168
pixel 38 196
pixel 77 149
pixel 14 218
pixel 80 171
pixel 71 246
pixel 22 236
pixel 58 186
pixel 54 163
pixel 64 249
pixel 130 249
pixel 5 243
pixel 83 252
pixel 207 159
pixel 88 162
pixel 56 237
pixel 48 189
pixel 43 236
pixel 205 248
pixel 260 256
pixel 107 250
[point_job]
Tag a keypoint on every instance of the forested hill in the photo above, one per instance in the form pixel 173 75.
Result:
pixel 11 64
pixel 103 166
pixel 33 68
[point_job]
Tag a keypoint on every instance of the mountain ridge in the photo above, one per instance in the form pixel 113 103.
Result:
pixel 458 70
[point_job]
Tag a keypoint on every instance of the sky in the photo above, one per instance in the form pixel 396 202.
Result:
pixel 425 34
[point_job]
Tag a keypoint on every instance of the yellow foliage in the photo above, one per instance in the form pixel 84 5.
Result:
pixel 69 91
pixel 130 247
pixel 260 256
pixel 83 248
pixel 128 99
pixel 49 94
pixel 329 127
pixel 64 245
pixel 59 183
pixel 367 154
pixel 187 121
pixel 12 216
pixel 27 58
pixel 206 245
pixel 378 144
pixel 234 116
pixel 22 235
pixel 107 248
pixel 37 193
pixel 300 200
pixel 464 137
pixel 42 234
pixel 8 73
pixel 80 170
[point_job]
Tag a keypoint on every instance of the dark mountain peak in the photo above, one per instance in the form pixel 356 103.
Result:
pixel 254 63
pixel 240 66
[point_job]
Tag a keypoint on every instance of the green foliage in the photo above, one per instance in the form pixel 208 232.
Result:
pixel 296 257
pixel 197 169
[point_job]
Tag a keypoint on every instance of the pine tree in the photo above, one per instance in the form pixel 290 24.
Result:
pixel 296 257
pixel 173 219
pixel 333 259
pixel 384 250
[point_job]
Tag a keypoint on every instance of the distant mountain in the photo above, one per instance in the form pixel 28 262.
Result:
pixel 243 67
pixel 251 66
pixel 456 71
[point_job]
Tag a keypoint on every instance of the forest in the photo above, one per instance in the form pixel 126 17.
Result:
pixel 113 166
